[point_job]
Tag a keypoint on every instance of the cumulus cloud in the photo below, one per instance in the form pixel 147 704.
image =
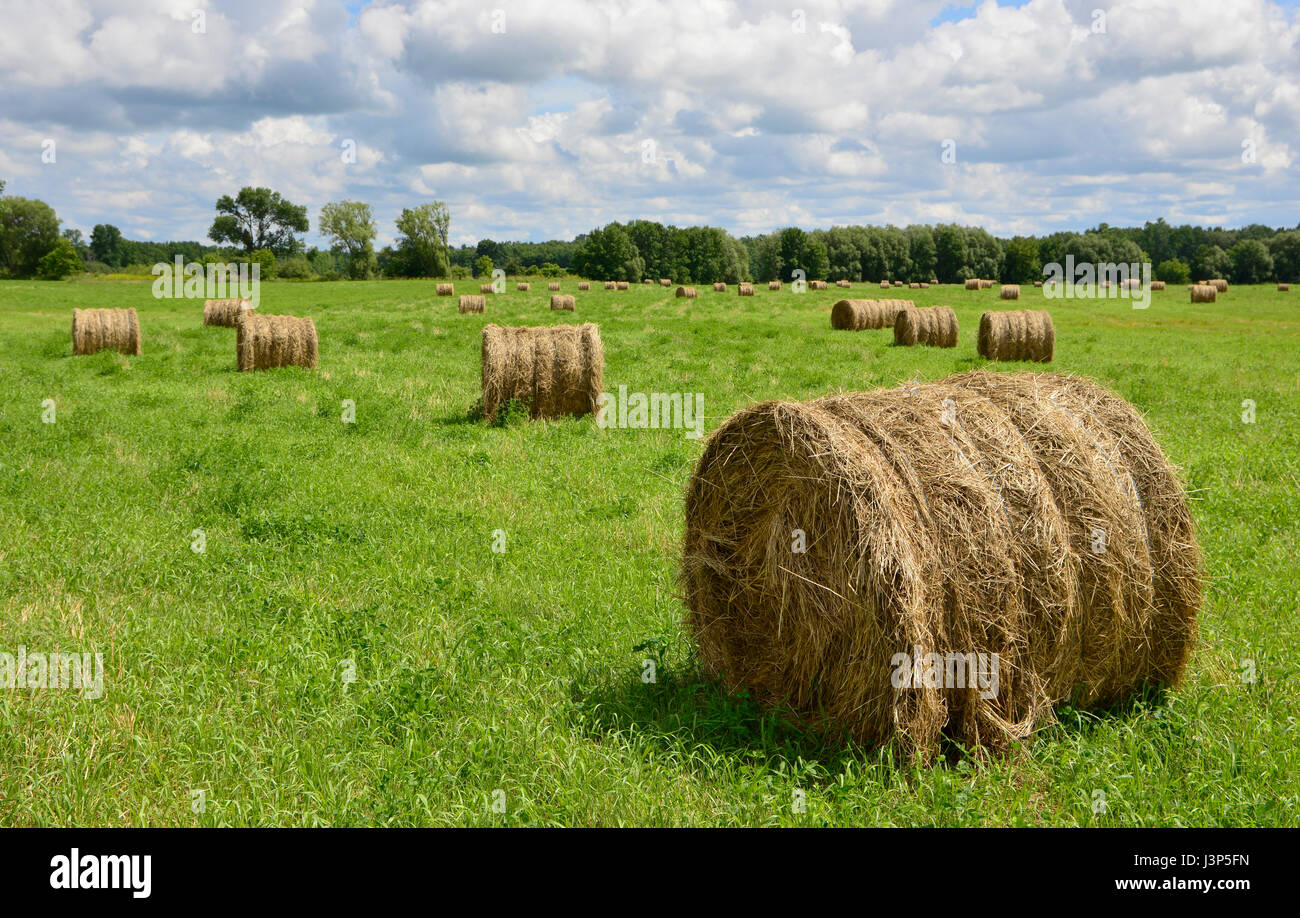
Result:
pixel 542 120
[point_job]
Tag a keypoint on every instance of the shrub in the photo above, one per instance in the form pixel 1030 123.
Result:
pixel 62 261
pixel 1173 271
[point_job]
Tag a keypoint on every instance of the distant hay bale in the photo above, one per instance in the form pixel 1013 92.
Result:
pixel 1010 292
pixel 621 285
pixel 553 286
pixel 719 287
pixel 524 286
pixel 1284 287
pixel 985 284
pixel 1131 283
pixel 898 283
pixel 933 326
pixel 934 282
pixel 857 315
pixel 648 281
pixel 446 290
pixel 225 312
pixel 1038 283
pixel 610 285
pixel 884 285
pixel 818 285
pixel 745 289
pixel 686 292
pixel 843 283
pixel 106 329
pixel 485 289
pixel 1157 285
pixel 925 286
pixel 473 302
pixel 972 283
pixel 957 519
pixel 1204 293
pixel 583 285
pixel 563 301
pixel 555 371
pixel 1219 284
pixel 773 285
pixel 1022 334
pixel 665 282
pixel 265 342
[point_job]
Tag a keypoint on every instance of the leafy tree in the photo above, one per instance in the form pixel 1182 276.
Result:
pixel 1285 249
pixel 265 258
pixel 352 229
pixel 1173 271
pixel 1251 262
pixel 29 230
pixel 422 245
pixel 106 244
pixel 608 254
pixel 483 266
pixel 922 252
pixel 258 218
pixel 1210 261
pixel 1021 264
pixel 61 261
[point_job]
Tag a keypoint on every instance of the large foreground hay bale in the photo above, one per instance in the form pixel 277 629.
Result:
pixel 1032 516
pixel 1219 284
pixel 856 315
pixel 1023 334
pixel 933 326
pixel 773 285
pixel 972 283
pixel 105 329
pixel 563 301
pixel 1204 293
pixel 745 289
pixel 225 312
pixel 719 287
pixel 473 302
pixel 265 342
pixel 524 286
pixel 1010 292
pixel 555 371
pixel 686 292
pixel 445 289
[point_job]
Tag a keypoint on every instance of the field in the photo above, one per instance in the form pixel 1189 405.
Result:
pixel 348 649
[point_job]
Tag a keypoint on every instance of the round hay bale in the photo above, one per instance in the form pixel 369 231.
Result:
pixel 555 371
pixel 225 312
pixel 648 281
pixel 106 329
pixel 934 282
pixel 985 284
pixel 1038 283
pixel 524 286
pixel 486 289
pixel 857 315
pixel 621 285
pixel 933 326
pixel 1219 284
pixel 898 283
pixel 264 342
pixel 818 285
pixel 686 292
pixel 972 283
pixel 773 285
pixel 1157 285
pixel 445 289
pixel 914 286
pixel 884 285
pixel 1023 334
pixel 563 301
pixel 1204 293
pixel 472 302
pixel 924 285
pixel 1284 288
pixel 745 289
pixel 665 282
pixel 719 287
pixel 956 519
pixel 583 285
pixel 553 286
pixel 1010 291
pixel 610 285
pixel 843 283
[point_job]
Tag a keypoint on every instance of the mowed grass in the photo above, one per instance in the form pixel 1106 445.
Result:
pixel 514 681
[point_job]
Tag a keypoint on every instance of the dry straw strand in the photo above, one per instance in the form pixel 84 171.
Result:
pixel 954 518
pixel 555 371
pixel 105 329
pixel 264 342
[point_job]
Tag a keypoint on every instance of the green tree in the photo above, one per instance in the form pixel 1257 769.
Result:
pixel 106 244
pixel 258 218
pixel 1021 264
pixel 1173 271
pixel 61 261
pixel 608 254
pixel 1285 249
pixel 351 227
pixel 422 243
pixel 1251 262
pixel 921 252
pixel 483 266
pixel 1210 261
pixel 29 230
pixel 265 259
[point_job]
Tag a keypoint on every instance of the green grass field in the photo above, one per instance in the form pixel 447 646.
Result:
pixel 488 681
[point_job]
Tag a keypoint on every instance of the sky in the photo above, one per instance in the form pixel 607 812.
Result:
pixel 541 120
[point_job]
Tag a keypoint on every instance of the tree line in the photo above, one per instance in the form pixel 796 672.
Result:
pixel 261 225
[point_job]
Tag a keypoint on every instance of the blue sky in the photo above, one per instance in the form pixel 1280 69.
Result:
pixel 542 120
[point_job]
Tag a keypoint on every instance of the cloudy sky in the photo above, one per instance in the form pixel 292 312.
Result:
pixel 541 119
